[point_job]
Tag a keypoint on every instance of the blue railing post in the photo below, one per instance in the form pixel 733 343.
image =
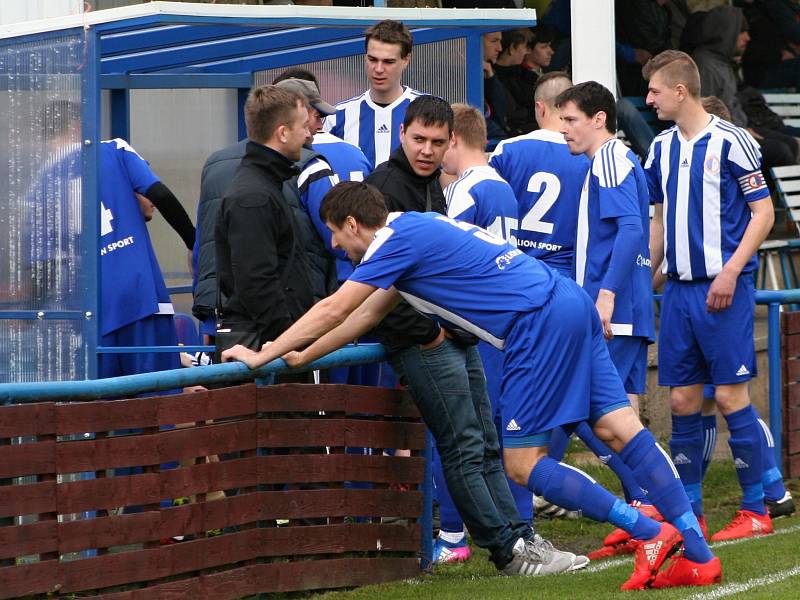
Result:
pixel 775 383
pixel 427 505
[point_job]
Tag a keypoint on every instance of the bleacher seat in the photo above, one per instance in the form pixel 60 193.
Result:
pixel 787 184
pixel 786 105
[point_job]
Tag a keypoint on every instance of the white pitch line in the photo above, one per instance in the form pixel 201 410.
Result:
pixel 616 562
pixel 737 588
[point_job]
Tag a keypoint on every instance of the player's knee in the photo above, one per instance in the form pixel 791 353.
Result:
pixel 685 400
pixel 731 398
pixel 519 462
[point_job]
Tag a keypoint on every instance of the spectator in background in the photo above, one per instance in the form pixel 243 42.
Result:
pixel 772 58
pixel 643 29
pixel 494 94
pixel 540 51
pixel 719 41
pixel 519 83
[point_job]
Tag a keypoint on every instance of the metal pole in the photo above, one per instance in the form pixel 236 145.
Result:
pixel 775 383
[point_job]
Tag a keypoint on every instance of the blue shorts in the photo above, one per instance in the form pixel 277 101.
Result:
pixel 155 330
pixel 629 355
pixel 696 346
pixel 557 369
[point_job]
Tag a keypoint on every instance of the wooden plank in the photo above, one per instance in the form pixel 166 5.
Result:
pixel 27 499
pixel 27 419
pixel 225 585
pixel 151 488
pixel 792 395
pixel 34 458
pixel 33 538
pixel 298 433
pixel 311 468
pixel 791 371
pixel 236 401
pixel 792 419
pixel 107 415
pixel 298 398
pixel 384 434
pixel 24 580
pixel 155 448
pixel 166 561
pixel 790 322
pixel 380 401
pixel 790 346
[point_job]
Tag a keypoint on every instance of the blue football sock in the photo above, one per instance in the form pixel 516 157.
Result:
pixel 559 440
pixel 653 468
pixel 709 440
pixel 771 479
pixel 746 445
pixel 448 513
pixel 523 499
pixel 574 490
pixel 632 490
pixel 686 446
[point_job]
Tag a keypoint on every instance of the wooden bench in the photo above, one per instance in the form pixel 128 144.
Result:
pixel 787 106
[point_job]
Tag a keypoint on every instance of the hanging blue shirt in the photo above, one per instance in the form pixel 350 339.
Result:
pixel 614 188
pixel 132 284
pixel 458 273
pixel 547 181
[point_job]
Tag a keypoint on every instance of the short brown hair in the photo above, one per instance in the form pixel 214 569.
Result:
pixel 674 67
pixel 390 32
pixel 469 125
pixel 514 37
pixel 362 201
pixel 267 108
pixel 715 106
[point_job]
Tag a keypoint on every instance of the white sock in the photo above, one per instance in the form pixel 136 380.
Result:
pixel 451 537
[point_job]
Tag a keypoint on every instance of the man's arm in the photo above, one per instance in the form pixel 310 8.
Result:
pixel 361 320
pixel 319 320
pixel 720 294
pixel 657 243
pixel 628 240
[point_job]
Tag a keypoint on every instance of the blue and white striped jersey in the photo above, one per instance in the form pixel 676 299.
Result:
pixel 705 185
pixel 347 160
pixel 481 197
pixel 615 187
pixel 547 181
pixel 373 128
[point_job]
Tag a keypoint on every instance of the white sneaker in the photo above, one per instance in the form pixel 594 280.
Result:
pixel 537 557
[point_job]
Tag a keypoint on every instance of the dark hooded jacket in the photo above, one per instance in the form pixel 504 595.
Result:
pixel 713 52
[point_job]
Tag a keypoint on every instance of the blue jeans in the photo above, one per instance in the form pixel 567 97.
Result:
pixel 449 388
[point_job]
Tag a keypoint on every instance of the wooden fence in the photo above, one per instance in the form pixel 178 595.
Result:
pixel 790 369
pixel 289 521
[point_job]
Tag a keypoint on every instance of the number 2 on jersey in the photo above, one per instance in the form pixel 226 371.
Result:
pixel 532 221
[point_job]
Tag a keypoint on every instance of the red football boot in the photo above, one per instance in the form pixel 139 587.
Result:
pixel 628 547
pixel 650 555
pixel 745 524
pixel 683 572
pixel 701 520
pixel 620 536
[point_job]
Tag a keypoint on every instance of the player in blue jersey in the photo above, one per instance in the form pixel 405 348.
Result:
pixel 481 197
pixel 557 369
pixel 372 120
pixel 547 180
pixel 612 254
pixel 712 211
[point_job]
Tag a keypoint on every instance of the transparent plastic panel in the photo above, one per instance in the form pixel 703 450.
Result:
pixel 41 350
pixel 40 224
pixel 437 68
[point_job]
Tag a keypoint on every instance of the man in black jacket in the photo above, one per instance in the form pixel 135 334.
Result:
pixel 261 266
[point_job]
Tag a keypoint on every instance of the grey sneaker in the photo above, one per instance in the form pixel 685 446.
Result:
pixel 578 560
pixel 538 557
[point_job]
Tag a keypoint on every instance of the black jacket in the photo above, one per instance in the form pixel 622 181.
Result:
pixel 262 269
pixel 404 190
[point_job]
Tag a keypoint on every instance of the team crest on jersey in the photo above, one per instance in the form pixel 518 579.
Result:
pixel 752 182
pixel 711 164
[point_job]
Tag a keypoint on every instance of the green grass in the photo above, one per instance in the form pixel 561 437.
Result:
pixel 743 561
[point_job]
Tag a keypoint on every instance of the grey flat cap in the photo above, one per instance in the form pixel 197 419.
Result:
pixel 310 92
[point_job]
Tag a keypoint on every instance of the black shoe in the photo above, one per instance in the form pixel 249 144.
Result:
pixel 781 508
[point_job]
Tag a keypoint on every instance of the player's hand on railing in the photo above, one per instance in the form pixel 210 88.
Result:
pixel 242 354
pixel 720 294
pixel 294 359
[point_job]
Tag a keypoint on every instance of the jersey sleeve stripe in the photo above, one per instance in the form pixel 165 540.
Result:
pixel 750 151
